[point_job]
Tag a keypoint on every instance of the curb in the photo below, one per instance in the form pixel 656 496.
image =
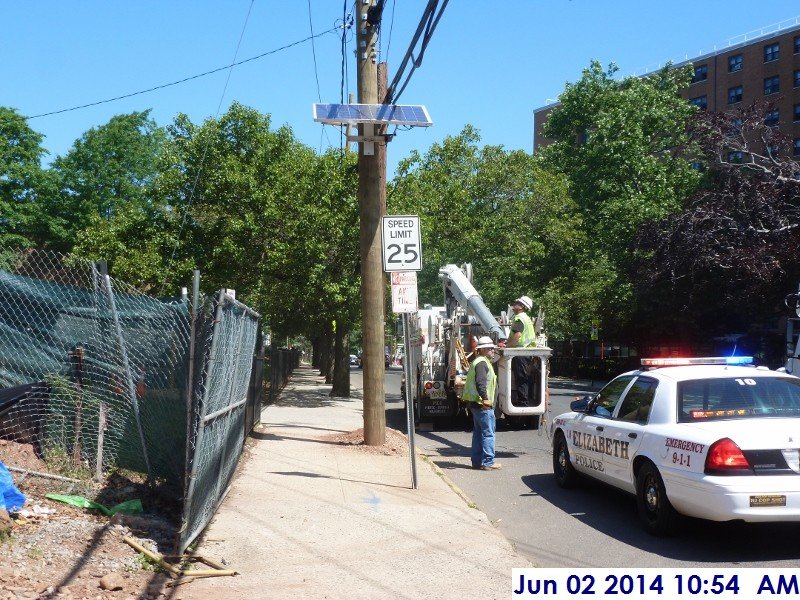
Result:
pixel 459 492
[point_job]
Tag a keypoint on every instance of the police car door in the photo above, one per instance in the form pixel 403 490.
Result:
pixel 588 438
pixel 626 429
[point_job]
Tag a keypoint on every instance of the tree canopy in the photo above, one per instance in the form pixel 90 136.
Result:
pixel 22 182
pixel 626 149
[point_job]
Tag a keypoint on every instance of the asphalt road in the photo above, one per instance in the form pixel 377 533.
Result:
pixel 593 525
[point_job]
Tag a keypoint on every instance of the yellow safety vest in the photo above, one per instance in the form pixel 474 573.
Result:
pixel 471 390
pixel 528 337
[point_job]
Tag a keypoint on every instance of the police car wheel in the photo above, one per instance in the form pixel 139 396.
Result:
pixel 565 473
pixel 655 510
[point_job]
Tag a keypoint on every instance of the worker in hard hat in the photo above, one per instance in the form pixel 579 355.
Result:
pixel 523 335
pixel 479 392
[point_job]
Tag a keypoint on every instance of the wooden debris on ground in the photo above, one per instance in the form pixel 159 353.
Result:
pixel 180 574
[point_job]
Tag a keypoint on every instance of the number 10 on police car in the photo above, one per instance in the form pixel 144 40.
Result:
pixel 402 245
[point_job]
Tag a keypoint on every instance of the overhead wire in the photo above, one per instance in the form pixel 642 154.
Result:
pixel 391 27
pixel 342 136
pixel 427 25
pixel 324 132
pixel 185 79
pixel 189 201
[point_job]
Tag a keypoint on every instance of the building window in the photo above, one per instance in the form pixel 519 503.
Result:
pixel 734 63
pixel 700 102
pixel 700 73
pixel 736 126
pixel 772 52
pixel 796 112
pixel 735 94
pixel 771 119
pixel 797 78
pixel 735 156
pixel 796 147
pixel 772 85
pixel 797 44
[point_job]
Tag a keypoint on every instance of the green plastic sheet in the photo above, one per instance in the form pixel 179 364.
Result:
pixel 129 506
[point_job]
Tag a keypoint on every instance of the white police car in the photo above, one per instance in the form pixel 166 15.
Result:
pixel 707 438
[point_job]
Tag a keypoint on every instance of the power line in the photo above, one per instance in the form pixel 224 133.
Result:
pixel 314 51
pixel 324 132
pixel 427 24
pixel 189 201
pixel 391 27
pixel 184 80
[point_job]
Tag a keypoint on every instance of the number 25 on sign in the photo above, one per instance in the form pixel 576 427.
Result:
pixel 402 247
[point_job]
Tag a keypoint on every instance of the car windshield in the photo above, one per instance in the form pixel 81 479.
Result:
pixel 738 398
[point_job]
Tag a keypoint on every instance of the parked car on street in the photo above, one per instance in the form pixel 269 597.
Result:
pixel 354 360
pixel 710 438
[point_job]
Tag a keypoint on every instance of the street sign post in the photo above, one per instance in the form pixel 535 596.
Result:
pixel 402 257
pixel 402 243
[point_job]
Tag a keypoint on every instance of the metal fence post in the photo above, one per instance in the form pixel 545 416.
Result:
pixel 187 502
pixel 129 375
pixel 190 376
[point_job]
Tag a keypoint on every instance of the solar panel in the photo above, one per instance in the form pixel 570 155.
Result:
pixel 398 114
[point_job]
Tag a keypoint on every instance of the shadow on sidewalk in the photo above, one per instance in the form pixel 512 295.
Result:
pixel 311 475
pixel 262 435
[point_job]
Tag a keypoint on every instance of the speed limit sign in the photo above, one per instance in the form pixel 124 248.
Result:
pixel 402 244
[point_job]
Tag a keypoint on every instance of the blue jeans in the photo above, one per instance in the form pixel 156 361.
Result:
pixel 483 427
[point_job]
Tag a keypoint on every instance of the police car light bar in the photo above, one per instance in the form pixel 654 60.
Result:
pixel 706 360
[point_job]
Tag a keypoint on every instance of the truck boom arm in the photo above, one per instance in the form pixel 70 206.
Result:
pixel 458 285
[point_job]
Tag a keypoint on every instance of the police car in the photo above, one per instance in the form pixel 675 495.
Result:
pixel 711 438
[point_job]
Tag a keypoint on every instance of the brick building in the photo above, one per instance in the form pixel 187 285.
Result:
pixel 766 67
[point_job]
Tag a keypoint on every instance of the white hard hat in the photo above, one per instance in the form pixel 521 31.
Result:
pixel 525 301
pixel 485 342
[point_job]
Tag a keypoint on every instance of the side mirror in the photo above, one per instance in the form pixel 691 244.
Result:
pixel 580 404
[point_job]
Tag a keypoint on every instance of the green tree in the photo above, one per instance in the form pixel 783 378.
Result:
pixel 498 210
pixel 22 182
pixel 625 147
pixel 318 274
pixel 108 169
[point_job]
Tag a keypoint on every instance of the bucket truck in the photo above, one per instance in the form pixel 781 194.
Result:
pixel 441 346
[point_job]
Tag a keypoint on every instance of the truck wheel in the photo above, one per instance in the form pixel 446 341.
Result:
pixel 566 475
pixel 657 514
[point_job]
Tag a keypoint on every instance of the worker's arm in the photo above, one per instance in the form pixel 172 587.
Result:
pixel 517 326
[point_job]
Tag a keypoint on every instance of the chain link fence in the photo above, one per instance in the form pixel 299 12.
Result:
pixel 280 362
pixel 220 401
pixel 95 376
pixel 99 368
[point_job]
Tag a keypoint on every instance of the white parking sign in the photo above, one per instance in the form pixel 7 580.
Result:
pixel 402 245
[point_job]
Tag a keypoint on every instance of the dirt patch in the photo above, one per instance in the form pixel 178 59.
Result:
pixel 396 442
pixel 55 550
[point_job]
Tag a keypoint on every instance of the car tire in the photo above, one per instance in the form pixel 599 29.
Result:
pixel 657 514
pixel 565 473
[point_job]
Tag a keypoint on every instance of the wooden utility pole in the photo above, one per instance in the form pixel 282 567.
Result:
pixel 371 209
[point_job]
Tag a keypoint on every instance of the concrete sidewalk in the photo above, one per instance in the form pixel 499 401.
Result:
pixel 309 517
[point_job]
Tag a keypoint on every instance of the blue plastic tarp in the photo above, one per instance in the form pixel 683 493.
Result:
pixel 11 499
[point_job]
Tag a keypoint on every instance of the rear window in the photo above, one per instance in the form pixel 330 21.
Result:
pixel 738 398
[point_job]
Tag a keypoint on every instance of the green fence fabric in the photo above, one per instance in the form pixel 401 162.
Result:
pixel 127 381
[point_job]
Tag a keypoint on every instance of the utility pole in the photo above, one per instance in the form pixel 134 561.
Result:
pixel 371 200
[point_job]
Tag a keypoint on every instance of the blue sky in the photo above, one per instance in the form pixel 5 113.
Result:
pixel 489 64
